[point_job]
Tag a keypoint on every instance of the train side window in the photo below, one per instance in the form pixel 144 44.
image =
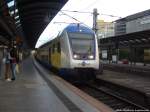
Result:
pixel 53 49
pixel 58 47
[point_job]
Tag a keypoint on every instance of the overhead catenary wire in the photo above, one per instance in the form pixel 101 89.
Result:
pixel 75 11
pixel 64 22
pixel 90 5
pixel 74 19
pixel 70 16
pixel 110 15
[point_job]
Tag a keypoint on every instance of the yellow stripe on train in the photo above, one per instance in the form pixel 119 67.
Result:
pixel 56 60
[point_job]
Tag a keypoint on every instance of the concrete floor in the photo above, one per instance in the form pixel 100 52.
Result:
pixel 28 93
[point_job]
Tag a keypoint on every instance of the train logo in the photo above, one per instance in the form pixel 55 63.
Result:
pixel 83 63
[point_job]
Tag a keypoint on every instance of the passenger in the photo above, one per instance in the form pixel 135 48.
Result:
pixel 13 62
pixel 7 64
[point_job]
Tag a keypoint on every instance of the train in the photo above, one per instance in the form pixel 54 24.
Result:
pixel 73 53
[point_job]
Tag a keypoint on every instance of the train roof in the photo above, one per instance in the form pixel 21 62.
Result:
pixel 72 28
pixel 78 28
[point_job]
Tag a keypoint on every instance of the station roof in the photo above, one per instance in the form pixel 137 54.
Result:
pixel 7 28
pixel 135 39
pixel 32 16
pixel 135 16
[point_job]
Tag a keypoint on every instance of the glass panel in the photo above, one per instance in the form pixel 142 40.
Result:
pixel 81 36
pixel 11 3
pixel 82 43
pixel 82 46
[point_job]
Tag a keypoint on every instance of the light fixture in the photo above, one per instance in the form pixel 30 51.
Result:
pixel 17 22
pixel 18 25
pixel 11 3
pixel 16 17
pixel 12 12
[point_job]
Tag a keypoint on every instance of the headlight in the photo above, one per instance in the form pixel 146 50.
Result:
pixel 91 57
pixel 75 56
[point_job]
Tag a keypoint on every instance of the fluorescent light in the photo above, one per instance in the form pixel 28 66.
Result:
pixel 18 25
pixel 12 12
pixel 10 4
pixel 16 10
pixel 17 22
pixel 16 17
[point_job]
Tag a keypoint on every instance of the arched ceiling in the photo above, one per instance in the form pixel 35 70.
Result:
pixel 32 16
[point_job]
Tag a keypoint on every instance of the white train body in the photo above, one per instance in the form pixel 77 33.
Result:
pixel 75 48
pixel 69 58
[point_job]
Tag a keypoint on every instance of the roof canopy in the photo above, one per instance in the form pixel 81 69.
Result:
pixel 32 16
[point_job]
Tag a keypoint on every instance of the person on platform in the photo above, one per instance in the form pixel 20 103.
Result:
pixel 13 62
pixel 7 64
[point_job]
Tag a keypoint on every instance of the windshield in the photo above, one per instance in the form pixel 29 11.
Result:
pixel 82 43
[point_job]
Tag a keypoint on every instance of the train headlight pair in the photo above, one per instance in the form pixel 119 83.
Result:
pixel 75 56
pixel 91 57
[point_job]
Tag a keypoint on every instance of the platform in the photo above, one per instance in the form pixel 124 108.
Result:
pixel 131 81
pixel 33 92
pixel 137 69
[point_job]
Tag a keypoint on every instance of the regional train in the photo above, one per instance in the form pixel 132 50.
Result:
pixel 73 53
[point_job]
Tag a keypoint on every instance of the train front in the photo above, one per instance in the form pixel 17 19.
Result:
pixel 84 49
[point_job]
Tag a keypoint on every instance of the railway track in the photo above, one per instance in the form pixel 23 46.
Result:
pixel 106 93
pixel 116 102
